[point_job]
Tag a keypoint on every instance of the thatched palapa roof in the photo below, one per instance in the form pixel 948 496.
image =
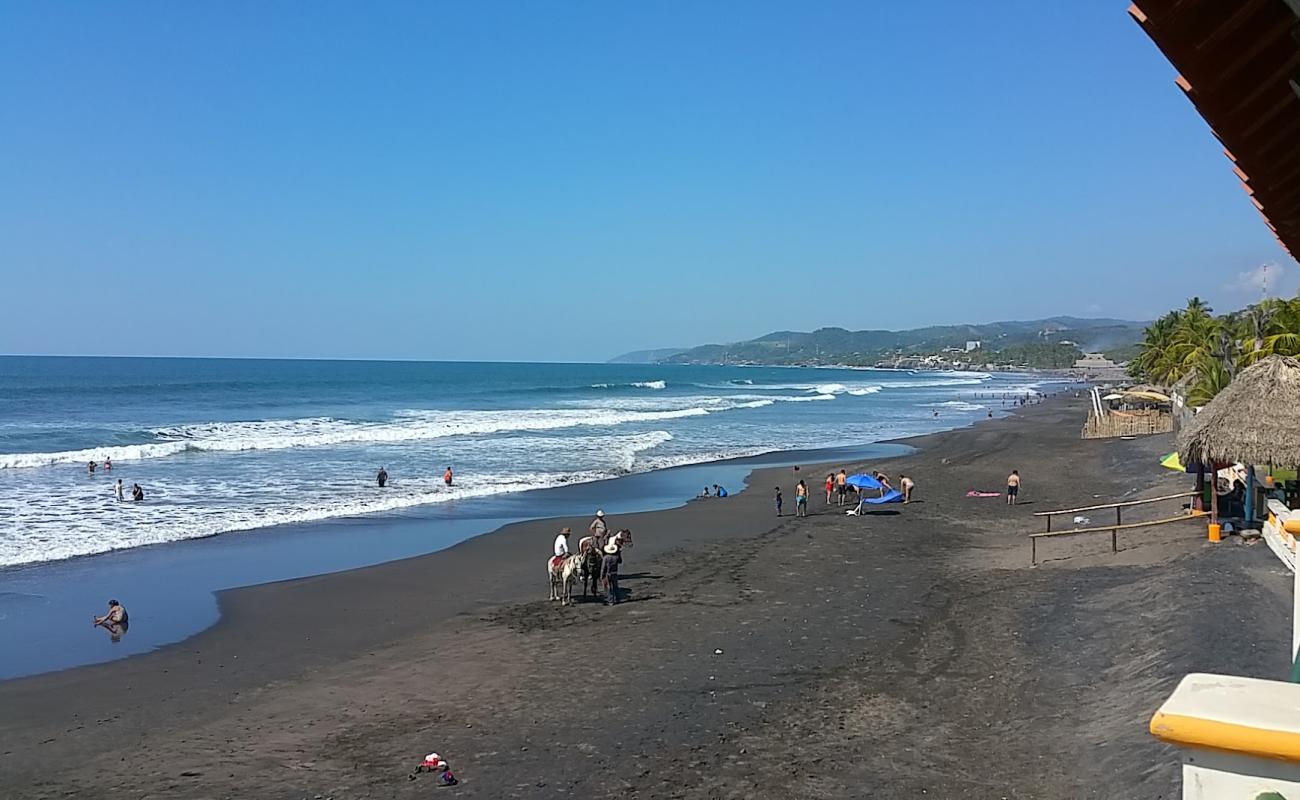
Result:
pixel 1254 420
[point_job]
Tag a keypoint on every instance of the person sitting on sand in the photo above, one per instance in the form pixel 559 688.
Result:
pixel 562 543
pixel 116 614
pixel 705 493
pixel 382 478
pixel 719 491
pixel 599 528
pixel 1013 487
pixel 907 485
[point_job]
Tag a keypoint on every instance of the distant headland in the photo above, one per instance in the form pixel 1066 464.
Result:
pixel 1053 343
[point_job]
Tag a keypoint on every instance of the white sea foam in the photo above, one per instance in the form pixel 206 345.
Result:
pixel 956 405
pixel 634 384
pixel 407 426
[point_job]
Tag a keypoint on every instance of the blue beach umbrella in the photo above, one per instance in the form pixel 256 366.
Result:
pixel 863 482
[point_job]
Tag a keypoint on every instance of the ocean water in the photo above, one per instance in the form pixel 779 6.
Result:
pixel 242 445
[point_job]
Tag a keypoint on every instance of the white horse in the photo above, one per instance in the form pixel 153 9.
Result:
pixel 562 575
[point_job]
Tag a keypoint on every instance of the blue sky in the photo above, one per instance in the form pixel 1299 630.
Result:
pixel 570 180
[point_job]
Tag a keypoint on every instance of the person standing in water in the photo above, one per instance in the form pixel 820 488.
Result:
pixel 108 463
pixel 382 477
pixel 91 467
pixel 120 492
pixel 801 499
pixel 446 476
pixel 137 493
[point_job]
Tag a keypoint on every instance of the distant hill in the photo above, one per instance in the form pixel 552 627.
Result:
pixel 647 356
pixel 841 346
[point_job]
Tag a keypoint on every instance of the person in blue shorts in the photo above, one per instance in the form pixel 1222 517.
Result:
pixel 718 491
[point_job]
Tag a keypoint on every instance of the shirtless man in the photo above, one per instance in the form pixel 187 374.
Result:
pixel 1013 487
pixel 841 487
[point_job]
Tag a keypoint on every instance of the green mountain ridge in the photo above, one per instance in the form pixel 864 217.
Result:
pixel 867 347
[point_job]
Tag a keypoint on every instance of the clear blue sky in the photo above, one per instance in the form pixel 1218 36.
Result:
pixel 570 180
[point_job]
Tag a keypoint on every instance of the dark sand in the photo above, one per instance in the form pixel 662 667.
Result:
pixel 909 653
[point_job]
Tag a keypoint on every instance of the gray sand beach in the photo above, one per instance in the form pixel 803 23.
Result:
pixel 910 652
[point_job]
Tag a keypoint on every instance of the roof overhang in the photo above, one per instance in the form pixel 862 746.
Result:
pixel 1239 64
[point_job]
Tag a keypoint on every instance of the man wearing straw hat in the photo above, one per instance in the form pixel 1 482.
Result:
pixel 609 568
pixel 599 529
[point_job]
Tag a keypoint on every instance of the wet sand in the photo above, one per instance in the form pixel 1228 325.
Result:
pixel 909 652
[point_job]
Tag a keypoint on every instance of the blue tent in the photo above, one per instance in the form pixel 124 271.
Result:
pixel 891 496
pixel 864 482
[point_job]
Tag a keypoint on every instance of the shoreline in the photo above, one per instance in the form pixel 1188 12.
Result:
pixel 903 650
pixel 189 576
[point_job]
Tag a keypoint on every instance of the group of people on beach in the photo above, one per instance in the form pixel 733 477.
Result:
pixel 599 541
pixel 381 477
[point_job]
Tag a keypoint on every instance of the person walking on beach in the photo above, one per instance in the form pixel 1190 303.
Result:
pixel 446 476
pixel 382 478
pixel 841 487
pixel 907 485
pixel 599 529
pixel 120 491
pixel 830 487
pixel 1013 487
pixel 801 499
pixel 779 501
pixel 609 569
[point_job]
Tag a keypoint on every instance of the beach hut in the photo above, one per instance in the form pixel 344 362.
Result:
pixel 1254 420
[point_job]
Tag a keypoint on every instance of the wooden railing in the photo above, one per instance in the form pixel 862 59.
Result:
pixel 1119 525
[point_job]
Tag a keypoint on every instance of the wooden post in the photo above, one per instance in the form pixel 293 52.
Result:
pixel 1114 540
pixel 1033 551
pixel 1117 519
pixel 1049 523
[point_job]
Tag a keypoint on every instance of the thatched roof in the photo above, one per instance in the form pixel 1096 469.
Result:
pixel 1254 420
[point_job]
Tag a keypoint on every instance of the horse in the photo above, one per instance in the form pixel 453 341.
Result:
pixel 562 574
pixel 589 550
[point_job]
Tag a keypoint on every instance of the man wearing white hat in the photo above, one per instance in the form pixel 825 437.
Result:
pixel 599 529
pixel 609 568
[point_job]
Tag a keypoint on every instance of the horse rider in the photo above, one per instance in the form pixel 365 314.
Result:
pixel 562 543
pixel 599 529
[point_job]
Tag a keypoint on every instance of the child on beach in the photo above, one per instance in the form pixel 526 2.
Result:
pixel 801 499
pixel 830 487
pixel 778 501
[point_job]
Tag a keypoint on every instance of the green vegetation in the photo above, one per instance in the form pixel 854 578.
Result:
pixel 1205 352
pixel 1034 356
pixel 1044 343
